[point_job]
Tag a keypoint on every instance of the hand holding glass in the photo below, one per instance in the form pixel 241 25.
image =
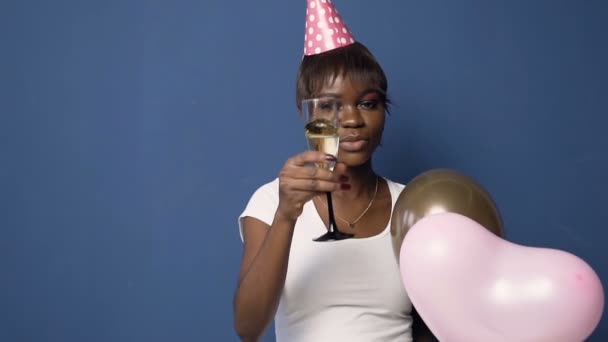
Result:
pixel 322 122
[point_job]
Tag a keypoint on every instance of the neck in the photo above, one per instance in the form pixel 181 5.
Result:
pixel 362 180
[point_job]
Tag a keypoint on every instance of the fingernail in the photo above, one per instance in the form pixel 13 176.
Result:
pixel 329 157
pixel 344 186
pixel 343 178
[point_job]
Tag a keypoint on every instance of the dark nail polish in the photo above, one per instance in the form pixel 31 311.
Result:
pixel 343 178
pixel 345 186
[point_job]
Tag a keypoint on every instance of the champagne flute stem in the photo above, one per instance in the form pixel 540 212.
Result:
pixel 330 209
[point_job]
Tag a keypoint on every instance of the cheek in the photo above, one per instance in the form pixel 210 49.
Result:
pixel 376 129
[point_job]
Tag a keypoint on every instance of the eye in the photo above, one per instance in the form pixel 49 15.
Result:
pixel 326 105
pixel 368 105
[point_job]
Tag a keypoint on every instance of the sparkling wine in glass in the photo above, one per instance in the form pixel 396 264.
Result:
pixel 322 122
pixel 323 136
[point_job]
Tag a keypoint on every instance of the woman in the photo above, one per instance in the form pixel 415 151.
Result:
pixel 348 290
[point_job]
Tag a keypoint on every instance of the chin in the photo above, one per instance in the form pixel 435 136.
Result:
pixel 351 159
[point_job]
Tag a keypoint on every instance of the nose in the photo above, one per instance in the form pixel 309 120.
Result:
pixel 350 117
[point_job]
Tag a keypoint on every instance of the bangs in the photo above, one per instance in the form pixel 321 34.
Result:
pixel 353 62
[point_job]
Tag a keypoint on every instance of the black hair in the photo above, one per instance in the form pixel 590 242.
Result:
pixel 353 61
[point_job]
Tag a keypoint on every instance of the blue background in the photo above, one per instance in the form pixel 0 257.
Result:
pixel 132 134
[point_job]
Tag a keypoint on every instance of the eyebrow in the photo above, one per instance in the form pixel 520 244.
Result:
pixel 335 95
pixel 363 93
pixel 371 91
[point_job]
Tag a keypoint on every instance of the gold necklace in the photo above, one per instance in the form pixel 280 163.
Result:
pixel 353 223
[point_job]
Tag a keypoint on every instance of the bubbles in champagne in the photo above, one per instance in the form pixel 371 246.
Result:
pixel 323 136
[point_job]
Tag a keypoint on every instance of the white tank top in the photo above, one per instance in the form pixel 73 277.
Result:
pixel 347 290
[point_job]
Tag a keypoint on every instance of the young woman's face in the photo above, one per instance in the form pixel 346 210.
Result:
pixel 361 119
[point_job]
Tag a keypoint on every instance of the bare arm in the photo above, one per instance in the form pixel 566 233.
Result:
pixel 266 248
pixel 262 274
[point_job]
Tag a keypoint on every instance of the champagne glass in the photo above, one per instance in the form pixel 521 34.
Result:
pixel 322 122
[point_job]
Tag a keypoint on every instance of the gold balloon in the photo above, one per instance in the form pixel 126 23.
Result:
pixel 442 190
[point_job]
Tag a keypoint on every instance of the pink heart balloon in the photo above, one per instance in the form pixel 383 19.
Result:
pixel 469 285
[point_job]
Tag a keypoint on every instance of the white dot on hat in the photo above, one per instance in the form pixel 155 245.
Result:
pixel 331 20
pixel 337 19
pixel 344 30
pixel 329 32
pixel 323 1
pixel 318 50
pixel 311 30
pixel 329 44
pixel 310 43
pixel 312 17
pixel 322 11
pixel 319 37
pixel 352 40
pixel 321 24
pixel 343 40
pixel 313 4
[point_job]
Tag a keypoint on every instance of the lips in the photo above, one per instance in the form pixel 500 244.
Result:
pixel 353 143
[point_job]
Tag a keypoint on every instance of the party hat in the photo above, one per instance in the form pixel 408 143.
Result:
pixel 325 29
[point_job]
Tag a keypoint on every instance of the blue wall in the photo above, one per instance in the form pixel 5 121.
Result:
pixel 133 132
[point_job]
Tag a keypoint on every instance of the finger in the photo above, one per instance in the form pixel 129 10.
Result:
pixel 309 157
pixel 313 185
pixel 339 173
pixel 310 172
pixel 340 169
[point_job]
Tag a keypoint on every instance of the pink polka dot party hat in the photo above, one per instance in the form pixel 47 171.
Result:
pixel 325 29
